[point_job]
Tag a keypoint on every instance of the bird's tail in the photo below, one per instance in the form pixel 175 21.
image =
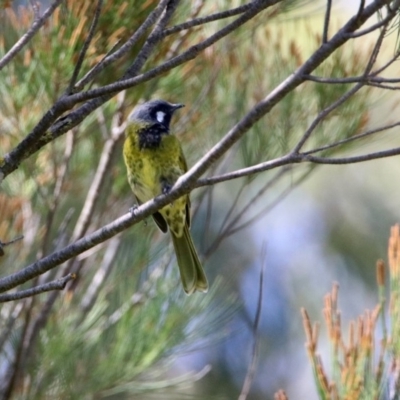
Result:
pixel 192 273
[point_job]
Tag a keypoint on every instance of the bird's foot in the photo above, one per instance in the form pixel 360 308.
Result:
pixel 166 188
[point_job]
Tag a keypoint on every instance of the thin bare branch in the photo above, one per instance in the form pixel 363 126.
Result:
pixel 85 46
pixel 101 275
pixel 370 79
pixel 103 169
pixel 30 144
pixel 253 364
pixel 268 207
pixel 35 139
pixel 189 180
pixel 383 86
pixel 37 24
pixel 58 284
pixel 254 169
pixel 227 230
pixel 95 70
pixel 3 244
pixel 232 207
pixel 326 21
pixel 324 113
pixel 130 79
pixel 374 27
pixel 60 174
pixel 209 18
pixel 354 159
pixel 124 49
pixel 148 208
pixel 352 138
pixel 7 327
pixel 361 7
pixel 264 106
pixel 395 57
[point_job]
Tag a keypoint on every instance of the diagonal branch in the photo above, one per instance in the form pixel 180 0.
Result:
pixel 130 80
pixel 85 47
pixel 58 284
pixel 327 20
pixel 37 138
pixel 188 181
pixel 149 21
pixel 45 264
pixel 287 86
pixel 352 138
pixel 37 24
pixel 209 18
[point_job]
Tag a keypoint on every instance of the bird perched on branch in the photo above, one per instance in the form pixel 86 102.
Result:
pixel 154 161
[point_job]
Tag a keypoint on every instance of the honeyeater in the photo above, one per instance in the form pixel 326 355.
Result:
pixel 154 161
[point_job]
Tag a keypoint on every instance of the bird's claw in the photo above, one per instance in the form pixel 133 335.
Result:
pixel 166 188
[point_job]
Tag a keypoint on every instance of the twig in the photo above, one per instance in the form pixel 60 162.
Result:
pixel 253 364
pixel 189 180
pixel 383 86
pixel 326 21
pixel 7 328
pixel 101 275
pixel 208 18
pixel 92 197
pixel 106 232
pixel 85 47
pixel 324 113
pixel 354 79
pixel 387 64
pixel 372 28
pixel 153 38
pixel 361 7
pixel 230 229
pixel 3 244
pixel 263 107
pixel 95 69
pixel 254 169
pixel 35 139
pixel 354 159
pixel 61 174
pixel 268 207
pixel 8 384
pixel 149 21
pixel 352 138
pixel 23 150
pixel 58 284
pixel 129 82
pixel 37 24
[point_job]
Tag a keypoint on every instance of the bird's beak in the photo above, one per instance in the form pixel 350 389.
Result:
pixel 177 106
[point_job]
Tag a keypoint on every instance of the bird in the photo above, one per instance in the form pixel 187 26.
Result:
pixel 154 160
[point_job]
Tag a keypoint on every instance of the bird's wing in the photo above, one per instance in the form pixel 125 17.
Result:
pixel 158 218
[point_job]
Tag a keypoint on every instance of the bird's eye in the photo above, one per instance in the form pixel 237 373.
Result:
pixel 160 116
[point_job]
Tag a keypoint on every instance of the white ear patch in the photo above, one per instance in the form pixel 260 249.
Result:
pixel 160 116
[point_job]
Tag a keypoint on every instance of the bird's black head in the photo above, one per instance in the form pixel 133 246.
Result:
pixel 155 111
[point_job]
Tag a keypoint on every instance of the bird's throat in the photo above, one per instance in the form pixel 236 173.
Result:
pixel 150 137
